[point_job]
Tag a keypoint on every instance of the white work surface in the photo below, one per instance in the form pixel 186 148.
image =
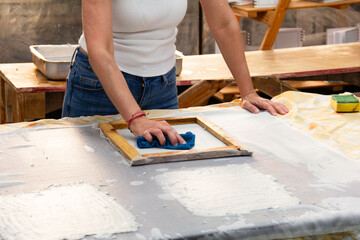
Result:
pixel 293 185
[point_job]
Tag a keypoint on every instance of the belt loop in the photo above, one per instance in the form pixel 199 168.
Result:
pixel 73 57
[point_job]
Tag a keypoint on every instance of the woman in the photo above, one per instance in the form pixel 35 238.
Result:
pixel 129 46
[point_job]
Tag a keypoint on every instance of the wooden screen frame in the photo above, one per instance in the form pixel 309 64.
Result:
pixel 135 158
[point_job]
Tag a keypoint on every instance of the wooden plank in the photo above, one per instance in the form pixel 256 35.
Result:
pixel 118 141
pixel 2 102
pixel 200 92
pixel 314 84
pixel 178 120
pixel 53 101
pixel 228 93
pixel 17 106
pixel 265 17
pixel 34 105
pixel 119 124
pixel 24 77
pixel 9 102
pixel 190 155
pixel 250 11
pixel 340 7
pixel 186 152
pixel 244 12
pixel 309 61
pixel 271 86
pixel 207 67
pixel 299 4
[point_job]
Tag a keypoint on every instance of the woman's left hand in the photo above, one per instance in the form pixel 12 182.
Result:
pixel 252 102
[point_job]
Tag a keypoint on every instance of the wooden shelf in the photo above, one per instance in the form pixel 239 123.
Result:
pixel 274 16
pixel 250 10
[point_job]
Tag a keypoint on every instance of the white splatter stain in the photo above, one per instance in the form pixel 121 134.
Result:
pixel 111 180
pixel 136 183
pixel 89 149
pixel 156 234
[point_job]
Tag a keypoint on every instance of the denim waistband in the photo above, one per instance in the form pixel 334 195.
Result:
pixel 80 58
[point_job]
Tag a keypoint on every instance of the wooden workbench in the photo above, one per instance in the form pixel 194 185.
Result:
pixel 24 91
pixel 27 90
pixel 278 63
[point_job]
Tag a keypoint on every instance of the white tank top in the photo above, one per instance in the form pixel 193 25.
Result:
pixel 144 33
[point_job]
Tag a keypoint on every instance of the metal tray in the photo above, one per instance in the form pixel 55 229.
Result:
pixel 53 60
pixel 179 62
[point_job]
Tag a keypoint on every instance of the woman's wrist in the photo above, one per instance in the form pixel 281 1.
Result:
pixel 247 94
pixel 138 114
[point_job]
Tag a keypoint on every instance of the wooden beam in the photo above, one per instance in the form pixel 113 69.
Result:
pixel 2 101
pixel 272 31
pixel 304 84
pixel 340 7
pixel 34 105
pixel 265 17
pixel 118 141
pixel 200 92
pixel 271 86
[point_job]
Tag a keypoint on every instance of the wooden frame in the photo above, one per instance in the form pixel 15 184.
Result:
pixel 135 158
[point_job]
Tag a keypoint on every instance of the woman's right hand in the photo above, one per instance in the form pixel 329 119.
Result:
pixel 145 127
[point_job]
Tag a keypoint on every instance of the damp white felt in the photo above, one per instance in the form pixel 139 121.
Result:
pixel 63 213
pixel 225 190
pixel 203 138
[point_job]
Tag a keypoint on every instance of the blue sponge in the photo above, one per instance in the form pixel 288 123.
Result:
pixel 189 137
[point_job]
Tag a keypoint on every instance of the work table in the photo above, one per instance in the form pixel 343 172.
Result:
pixel 319 183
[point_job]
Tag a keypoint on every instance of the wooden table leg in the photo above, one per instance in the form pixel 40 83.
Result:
pixel 34 105
pixel 200 92
pixel 2 102
pixel 18 107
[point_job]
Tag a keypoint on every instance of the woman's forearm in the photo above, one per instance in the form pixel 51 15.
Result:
pixel 98 30
pixel 227 33
pixel 113 83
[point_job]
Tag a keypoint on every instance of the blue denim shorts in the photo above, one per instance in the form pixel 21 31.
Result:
pixel 85 95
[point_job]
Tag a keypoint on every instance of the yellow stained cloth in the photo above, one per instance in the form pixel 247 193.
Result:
pixel 312 114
